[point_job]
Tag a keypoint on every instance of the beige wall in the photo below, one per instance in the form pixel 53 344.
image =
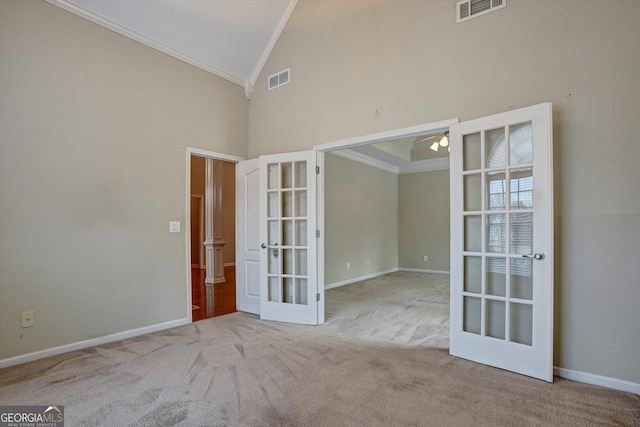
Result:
pixel 363 67
pixel 93 135
pixel 361 219
pixel 423 220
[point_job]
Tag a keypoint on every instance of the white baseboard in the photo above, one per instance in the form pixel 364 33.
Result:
pixel 421 270
pixel 359 279
pixel 599 380
pixel 30 357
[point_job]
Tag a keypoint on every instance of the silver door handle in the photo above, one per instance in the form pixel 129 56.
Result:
pixel 538 255
pixel 275 250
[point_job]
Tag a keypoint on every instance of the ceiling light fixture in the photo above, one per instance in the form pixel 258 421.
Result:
pixel 442 142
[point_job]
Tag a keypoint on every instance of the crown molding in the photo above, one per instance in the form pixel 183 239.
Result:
pixel 364 159
pixel 410 167
pixel 141 38
pixel 425 165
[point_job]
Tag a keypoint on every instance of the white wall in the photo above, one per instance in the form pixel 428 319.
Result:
pixel 358 68
pixel 93 135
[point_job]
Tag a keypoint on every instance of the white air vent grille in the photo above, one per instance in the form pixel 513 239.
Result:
pixel 279 79
pixel 467 9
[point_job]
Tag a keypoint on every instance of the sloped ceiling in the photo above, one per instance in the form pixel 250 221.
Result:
pixel 229 38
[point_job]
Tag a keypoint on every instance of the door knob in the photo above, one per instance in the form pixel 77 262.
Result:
pixel 263 246
pixel 538 255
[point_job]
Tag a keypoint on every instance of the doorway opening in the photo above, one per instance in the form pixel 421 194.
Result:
pixel 397 226
pixel 211 235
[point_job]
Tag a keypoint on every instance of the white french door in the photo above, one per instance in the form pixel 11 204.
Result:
pixel 502 241
pixel 288 262
pixel 248 236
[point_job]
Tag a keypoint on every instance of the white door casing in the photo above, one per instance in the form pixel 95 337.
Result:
pixel 502 241
pixel 288 261
pixel 248 236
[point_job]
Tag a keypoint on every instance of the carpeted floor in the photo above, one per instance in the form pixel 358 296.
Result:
pixel 356 370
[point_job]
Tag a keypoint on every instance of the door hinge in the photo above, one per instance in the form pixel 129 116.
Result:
pixel 317 170
pixel 317 234
pixel 317 297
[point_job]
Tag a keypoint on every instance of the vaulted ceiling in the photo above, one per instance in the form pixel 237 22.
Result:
pixel 233 40
pixel 229 38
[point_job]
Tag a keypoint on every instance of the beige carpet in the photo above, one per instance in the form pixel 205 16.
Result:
pixel 356 370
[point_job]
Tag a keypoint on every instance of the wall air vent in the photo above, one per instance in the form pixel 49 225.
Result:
pixel 467 9
pixel 279 79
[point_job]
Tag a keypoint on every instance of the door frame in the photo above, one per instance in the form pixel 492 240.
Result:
pixel 321 149
pixel 187 212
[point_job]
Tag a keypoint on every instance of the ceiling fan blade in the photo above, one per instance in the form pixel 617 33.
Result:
pixel 425 139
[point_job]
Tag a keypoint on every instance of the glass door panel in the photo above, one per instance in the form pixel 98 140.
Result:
pixel 521 144
pixel 289 249
pixel 499 284
pixel 472 193
pixel 471 152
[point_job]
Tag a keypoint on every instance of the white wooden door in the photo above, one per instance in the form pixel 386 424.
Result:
pixel 502 241
pixel 288 263
pixel 248 236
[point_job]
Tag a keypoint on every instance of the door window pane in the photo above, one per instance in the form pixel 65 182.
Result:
pixel 472 193
pixel 301 232
pixel 521 278
pixel 473 274
pixel 273 232
pixel 496 276
pixel 521 323
pixel 287 175
pixel 472 233
pixel 273 204
pixel 521 233
pixel 287 204
pixel 471 152
pixel 495 318
pixel 471 315
pixel 301 291
pixel 521 189
pixel 301 262
pixel 521 144
pixel 287 261
pixel 272 176
pixel 287 233
pixel 274 261
pixel 287 290
pixel 496 190
pixel 301 174
pixel 495 149
pixel 301 203
pixel 497 233
pixel 274 289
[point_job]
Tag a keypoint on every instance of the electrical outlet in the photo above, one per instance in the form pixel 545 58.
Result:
pixel 174 226
pixel 28 319
pixel 368 261
pixel 426 258
pixel 348 266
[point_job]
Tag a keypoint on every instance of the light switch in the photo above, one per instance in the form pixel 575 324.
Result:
pixel 174 226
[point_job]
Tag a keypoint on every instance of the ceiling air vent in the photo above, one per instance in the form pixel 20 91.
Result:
pixel 279 79
pixel 467 9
